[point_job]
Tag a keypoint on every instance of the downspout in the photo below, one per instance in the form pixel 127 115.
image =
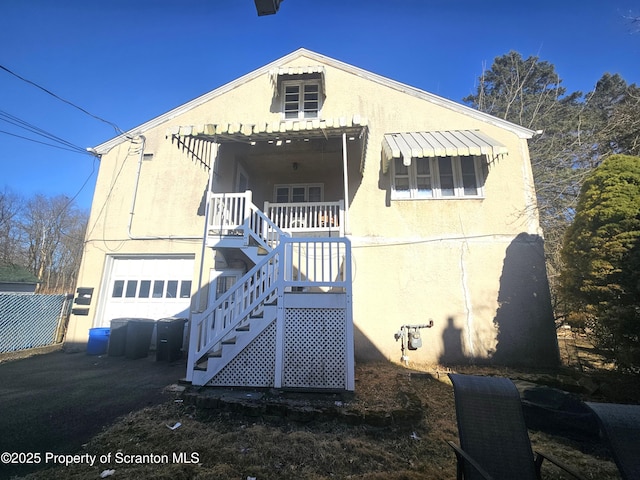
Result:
pixel 135 187
pixel 133 205
pixel 346 183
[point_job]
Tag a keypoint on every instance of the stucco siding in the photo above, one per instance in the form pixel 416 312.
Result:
pixel 447 259
pixel 477 291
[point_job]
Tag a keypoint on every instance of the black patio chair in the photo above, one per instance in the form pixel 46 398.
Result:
pixel 494 442
pixel 620 425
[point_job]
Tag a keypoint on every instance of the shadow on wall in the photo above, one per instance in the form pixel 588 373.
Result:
pixel 524 319
pixel 365 350
pixel 453 352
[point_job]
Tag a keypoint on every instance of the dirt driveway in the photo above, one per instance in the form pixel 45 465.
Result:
pixel 57 401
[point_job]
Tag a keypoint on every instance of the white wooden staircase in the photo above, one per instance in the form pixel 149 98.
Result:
pixel 253 311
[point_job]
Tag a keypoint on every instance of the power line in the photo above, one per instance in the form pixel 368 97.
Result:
pixel 18 122
pixel 45 143
pixel 72 199
pixel 113 125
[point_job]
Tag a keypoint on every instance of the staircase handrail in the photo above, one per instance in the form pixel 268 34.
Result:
pixel 257 224
pixel 235 306
pixel 262 229
pixel 296 262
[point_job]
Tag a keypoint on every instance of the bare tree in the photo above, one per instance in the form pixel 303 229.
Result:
pixel 53 232
pixel 10 210
pixel 45 235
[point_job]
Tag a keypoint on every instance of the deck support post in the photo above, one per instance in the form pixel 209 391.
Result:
pixel 346 183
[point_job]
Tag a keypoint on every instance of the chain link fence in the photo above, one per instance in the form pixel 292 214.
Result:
pixel 29 321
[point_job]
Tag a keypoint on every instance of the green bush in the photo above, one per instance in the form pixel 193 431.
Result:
pixel 601 253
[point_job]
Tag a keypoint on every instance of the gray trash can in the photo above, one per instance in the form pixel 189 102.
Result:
pixel 139 333
pixel 169 338
pixel 117 337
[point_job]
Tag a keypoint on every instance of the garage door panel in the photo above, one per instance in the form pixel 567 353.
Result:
pixel 148 287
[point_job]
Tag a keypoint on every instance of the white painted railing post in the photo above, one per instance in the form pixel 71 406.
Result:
pixel 349 336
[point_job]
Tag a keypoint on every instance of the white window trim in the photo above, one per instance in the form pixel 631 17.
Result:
pixel 436 191
pixel 291 186
pixel 301 111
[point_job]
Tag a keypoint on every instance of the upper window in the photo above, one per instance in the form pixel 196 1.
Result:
pixel 301 99
pixel 438 177
pixel 298 193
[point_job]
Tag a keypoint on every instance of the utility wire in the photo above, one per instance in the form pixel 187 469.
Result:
pixel 44 143
pixel 72 199
pixel 13 120
pixel 7 117
pixel 113 125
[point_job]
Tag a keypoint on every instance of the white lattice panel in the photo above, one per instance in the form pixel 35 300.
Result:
pixel 314 348
pixel 254 366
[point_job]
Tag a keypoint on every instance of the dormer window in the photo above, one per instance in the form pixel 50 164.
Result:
pixel 300 90
pixel 301 99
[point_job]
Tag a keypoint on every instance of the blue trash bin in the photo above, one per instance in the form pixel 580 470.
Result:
pixel 98 341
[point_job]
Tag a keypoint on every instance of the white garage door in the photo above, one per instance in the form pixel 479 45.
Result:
pixel 147 287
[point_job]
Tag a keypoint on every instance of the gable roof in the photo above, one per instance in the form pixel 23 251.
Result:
pixel 522 132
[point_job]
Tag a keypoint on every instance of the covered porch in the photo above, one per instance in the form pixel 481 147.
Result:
pixel 302 174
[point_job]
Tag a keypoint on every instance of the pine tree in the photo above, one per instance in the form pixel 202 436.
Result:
pixel 601 251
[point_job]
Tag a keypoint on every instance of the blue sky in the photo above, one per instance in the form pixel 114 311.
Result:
pixel 128 61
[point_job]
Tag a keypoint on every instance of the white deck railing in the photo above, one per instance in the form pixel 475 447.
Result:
pixel 227 212
pixel 234 214
pixel 311 263
pixel 307 216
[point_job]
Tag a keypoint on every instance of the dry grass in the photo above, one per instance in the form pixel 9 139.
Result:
pixel 236 446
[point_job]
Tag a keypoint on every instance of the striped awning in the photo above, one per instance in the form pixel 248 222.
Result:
pixel 276 73
pixel 438 144
pixel 281 130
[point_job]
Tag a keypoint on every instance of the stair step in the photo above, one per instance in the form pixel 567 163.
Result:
pixel 243 328
pixel 216 354
pixel 229 341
